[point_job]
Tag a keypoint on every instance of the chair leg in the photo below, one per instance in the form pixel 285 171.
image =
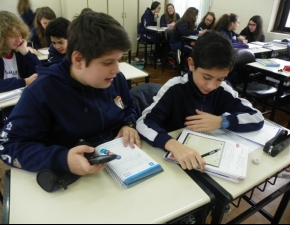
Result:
pixel 137 52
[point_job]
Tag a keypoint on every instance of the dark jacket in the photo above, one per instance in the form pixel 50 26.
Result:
pixel 147 19
pixel 230 34
pixel 180 30
pixel 36 42
pixel 56 111
pixel 163 21
pixel 28 18
pixel 26 67
pixel 179 97
pixel 54 56
pixel 202 26
pixel 250 35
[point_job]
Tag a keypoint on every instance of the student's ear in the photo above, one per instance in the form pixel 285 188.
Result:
pixel 77 59
pixel 190 63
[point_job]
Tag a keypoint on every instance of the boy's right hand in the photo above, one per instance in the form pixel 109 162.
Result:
pixel 30 79
pixel 188 158
pixel 79 164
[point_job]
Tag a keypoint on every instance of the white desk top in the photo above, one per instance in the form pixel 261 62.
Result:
pixel 41 56
pixel 273 69
pixel 156 28
pixel 131 72
pixel 97 198
pixel 9 102
pixel 192 37
pixel 256 174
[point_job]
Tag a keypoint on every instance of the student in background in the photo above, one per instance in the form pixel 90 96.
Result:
pixel 254 30
pixel 149 18
pixel 25 12
pixel 227 24
pixel 199 100
pixel 56 30
pixel 17 63
pixel 85 96
pixel 207 21
pixel 184 27
pixel 43 16
pixel 170 17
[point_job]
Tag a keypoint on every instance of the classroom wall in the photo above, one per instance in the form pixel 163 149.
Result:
pixel 246 9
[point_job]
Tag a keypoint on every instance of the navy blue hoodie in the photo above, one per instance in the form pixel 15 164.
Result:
pixel 26 67
pixel 179 97
pixel 147 19
pixel 56 111
pixel 54 56
pixel 180 30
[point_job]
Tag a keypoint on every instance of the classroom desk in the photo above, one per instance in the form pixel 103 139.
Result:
pixel 98 199
pixel 131 72
pixel 10 102
pixel 226 191
pixel 155 30
pixel 183 39
pixel 272 72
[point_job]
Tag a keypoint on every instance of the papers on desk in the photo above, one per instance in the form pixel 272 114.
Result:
pixel 268 62
pixel 10 94
pixel 43 51
pixel 132 165
pixel 226 159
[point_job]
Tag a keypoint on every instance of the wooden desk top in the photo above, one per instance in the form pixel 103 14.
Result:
pixel 256 174
pixel 97 198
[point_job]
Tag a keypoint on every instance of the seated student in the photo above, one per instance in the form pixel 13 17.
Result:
pixel 254 30
pixel 56 30
pixel 170 17
pixel 17 63
pixel 199 100
pixel 184 27
pixel 43 16
pixel 207 21
pixel 90 101
pixel 149 18
pixel 25 12
pixel 227 24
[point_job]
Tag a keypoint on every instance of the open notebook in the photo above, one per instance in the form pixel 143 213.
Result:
pixel 132 165
pixel 226 159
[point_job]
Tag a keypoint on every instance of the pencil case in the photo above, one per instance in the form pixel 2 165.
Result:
pixel 50 181
pixel 274 147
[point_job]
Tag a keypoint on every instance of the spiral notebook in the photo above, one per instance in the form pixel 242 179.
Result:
pixel 224 158
pixel 132 165
pixel 10 94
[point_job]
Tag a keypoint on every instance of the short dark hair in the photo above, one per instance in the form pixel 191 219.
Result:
pixel 213 50
pixel 154 5
pixel 94 34
pixel 57 28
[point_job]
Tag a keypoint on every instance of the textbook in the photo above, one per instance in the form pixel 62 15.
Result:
pixel 5 96
pixel 268 62
pixel 131 166
pixel 224 158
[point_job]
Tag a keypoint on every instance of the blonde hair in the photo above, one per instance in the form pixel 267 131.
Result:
pixel 10 26
pixel 22 6
pixel 47 13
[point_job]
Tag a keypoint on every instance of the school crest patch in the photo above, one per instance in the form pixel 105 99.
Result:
pixel 118 102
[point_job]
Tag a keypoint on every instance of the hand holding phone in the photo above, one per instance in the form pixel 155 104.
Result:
pixel 102 159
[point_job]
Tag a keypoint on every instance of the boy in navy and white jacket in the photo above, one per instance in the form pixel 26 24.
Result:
pixel 84 97
pixel 199 100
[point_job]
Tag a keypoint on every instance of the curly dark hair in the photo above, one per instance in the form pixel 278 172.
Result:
pixel 57 28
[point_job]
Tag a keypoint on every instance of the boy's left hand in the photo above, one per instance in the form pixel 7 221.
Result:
pixel 130 136
pixel 203 122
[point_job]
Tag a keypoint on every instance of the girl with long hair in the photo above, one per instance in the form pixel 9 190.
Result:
pixel 25 12
pixel 254 30
pixel 207 21
pixel 170 17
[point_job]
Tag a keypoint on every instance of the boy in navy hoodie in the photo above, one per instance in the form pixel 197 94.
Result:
pixel 199 100
pixel 56 31
pixel 84 97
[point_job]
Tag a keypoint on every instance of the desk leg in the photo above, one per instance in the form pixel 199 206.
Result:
pixel 155 55
pixel 147 79
pixel 6 199
pixel 145 56
pixel 276 101
pixel 281 208
pixel 129 56
pixel 129 84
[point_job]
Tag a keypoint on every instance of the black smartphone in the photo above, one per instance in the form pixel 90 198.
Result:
pixel 102 159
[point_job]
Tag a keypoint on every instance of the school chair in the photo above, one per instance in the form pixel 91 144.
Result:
pixel 171 57
pixel 143 96
pixel 141 44
pixel 258 90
